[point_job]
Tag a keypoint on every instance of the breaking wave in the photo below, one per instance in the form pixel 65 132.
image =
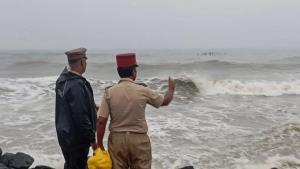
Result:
pixel 188 85
pixel 18 89
pixel 237 87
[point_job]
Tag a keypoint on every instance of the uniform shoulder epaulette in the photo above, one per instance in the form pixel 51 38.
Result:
pixel 142 84
pixel 107 92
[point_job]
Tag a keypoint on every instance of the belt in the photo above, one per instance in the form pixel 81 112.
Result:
pixel 126 132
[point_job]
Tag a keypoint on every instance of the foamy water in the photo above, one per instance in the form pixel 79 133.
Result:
pixel 229 112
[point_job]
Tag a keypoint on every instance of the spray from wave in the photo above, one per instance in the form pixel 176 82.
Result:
pixel 237 87
pixel 194 85
pixel 35 88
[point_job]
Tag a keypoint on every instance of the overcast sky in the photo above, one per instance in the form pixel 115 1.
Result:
pixel 147 24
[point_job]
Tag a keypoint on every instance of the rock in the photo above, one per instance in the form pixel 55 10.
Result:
pixel 0 153
pixel 2 166
pixel 42 167
pixel 188 167
pixel 20 161
pixel 6 158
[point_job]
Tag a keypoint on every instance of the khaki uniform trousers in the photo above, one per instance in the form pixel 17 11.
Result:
pixel 129 149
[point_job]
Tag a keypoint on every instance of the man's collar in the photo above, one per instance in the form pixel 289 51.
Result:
pixel 75 72
pixel 126 79
pixel 72 71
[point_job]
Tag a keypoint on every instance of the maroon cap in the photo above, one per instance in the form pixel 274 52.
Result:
pixel 125 60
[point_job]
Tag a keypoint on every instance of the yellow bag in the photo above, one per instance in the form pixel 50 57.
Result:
pixel 101 160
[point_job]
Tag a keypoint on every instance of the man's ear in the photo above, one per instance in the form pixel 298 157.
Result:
pixel 81 62
pixel 134 73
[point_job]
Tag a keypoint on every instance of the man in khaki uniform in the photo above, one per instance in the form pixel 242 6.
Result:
pixel 128 144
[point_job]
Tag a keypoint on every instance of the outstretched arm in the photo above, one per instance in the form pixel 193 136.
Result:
pixel 169 95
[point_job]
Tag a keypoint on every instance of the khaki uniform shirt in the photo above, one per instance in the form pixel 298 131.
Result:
pixel 125 103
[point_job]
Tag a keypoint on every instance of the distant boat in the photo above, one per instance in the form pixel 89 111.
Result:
pixel 210 53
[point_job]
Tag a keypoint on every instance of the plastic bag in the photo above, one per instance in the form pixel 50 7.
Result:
pixel 101 160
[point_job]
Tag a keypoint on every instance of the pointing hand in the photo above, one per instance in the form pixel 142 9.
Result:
pixel 171 84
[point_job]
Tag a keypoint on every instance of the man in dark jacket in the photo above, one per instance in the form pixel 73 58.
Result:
pixel 75 111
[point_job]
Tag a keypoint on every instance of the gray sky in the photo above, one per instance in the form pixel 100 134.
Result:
pixel 146 24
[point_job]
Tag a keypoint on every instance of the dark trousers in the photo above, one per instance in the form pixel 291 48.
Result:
pixel 76 158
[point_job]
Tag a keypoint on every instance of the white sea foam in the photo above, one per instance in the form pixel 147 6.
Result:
pixel 24 89
pixel 255 88
pixel 203 133
pixel 206 125
pixel 17 90
pixel 188 85
pixel 280 162
pixel 239 87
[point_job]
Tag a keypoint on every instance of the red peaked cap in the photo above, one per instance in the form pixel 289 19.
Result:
pixel 125 60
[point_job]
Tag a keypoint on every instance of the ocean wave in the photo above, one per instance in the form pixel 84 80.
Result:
pixel 195 85
pixel 214 63
pixel 24 68
pixel 276 147
pixel 32 63
pixel 26 89
pixel 18 89
pixel 221 64
pixel 237 87
pixel 293 59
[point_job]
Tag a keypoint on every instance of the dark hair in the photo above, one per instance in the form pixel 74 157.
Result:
pixel 71 62
pixel 125 72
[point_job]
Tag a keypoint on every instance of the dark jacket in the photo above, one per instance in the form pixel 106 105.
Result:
pixel 75 111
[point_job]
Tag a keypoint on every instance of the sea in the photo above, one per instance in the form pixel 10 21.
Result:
pixel 233 108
